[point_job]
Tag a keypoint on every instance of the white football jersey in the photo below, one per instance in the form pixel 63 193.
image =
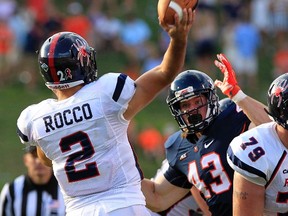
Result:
pixel 261 158
pixel 85 136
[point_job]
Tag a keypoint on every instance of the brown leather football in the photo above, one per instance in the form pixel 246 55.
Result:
pixel 168 8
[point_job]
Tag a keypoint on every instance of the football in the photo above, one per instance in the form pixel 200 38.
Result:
pixel 168 8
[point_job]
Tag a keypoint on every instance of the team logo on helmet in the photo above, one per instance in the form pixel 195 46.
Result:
pixel 184 91
pixel 82 52
pixel 68 74
pixel 44 67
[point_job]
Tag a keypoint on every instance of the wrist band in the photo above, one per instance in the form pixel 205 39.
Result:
pixel 239 96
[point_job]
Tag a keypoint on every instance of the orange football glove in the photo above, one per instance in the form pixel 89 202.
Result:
pixel 229 85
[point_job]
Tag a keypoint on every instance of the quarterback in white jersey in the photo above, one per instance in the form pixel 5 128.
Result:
pixel 83 133
pixel 259 158
pixel 85 137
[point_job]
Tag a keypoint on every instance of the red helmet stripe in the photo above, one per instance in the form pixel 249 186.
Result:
pixel 51 57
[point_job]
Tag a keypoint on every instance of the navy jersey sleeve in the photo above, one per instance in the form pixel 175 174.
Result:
pixel 177 178
pixel 173 147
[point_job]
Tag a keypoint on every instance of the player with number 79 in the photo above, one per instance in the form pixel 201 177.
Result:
pixel 259 158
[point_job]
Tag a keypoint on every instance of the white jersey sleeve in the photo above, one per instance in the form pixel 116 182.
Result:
pixel 24 128
pixel 85 136
pixel 260 157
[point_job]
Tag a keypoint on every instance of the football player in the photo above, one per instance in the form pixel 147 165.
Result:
pixel 259 158
pixel 83 133
pixel 197 153
pixel 192 204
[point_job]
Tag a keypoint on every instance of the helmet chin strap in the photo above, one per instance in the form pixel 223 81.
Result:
pixel 64 85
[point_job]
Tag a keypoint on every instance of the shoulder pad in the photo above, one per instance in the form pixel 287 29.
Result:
pixel 172 139
pixel 118 86
pixel 172 145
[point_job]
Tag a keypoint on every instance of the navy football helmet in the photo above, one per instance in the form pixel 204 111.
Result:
pixel 66 60
pixel 277 100
pixel 189 84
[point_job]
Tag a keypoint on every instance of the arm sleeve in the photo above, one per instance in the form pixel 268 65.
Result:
pixel 177 178
pixel 24 127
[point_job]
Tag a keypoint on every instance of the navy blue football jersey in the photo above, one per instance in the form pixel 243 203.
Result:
pixel 202 162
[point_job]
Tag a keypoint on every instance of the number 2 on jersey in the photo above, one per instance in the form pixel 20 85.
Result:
pixel 85 153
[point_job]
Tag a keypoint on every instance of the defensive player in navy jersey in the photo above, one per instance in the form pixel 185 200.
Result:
pixel 197 153
pixel 192 204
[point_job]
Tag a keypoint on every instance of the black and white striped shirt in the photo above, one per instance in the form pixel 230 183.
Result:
pixel 24 198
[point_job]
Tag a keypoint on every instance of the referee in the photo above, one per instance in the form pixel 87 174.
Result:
pixel 34 194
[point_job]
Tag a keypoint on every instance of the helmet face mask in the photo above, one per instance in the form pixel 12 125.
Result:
pixel 277 100
pixel 192 119
pixel 66 60
pixel 187 85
